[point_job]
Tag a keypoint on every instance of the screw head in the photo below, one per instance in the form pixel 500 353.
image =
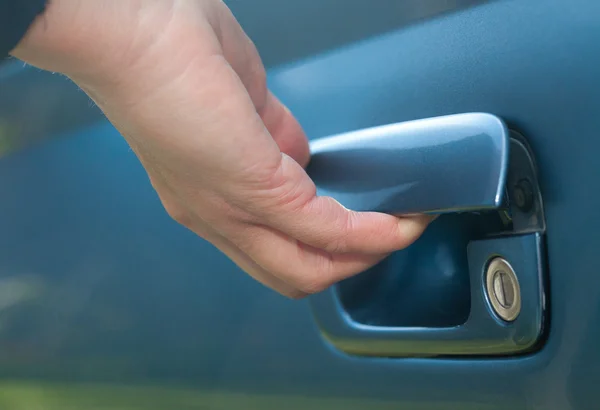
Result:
pixel 523 195
pixel 502 289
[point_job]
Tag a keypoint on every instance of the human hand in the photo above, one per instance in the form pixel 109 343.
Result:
pixel 186 88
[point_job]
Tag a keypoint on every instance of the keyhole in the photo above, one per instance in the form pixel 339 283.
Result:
pixel 504 289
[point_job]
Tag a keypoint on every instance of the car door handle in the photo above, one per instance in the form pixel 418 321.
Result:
pixel 444 164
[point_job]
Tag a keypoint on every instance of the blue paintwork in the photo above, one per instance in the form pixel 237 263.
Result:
pixel 321 25
pixel 481 334
pixel 396 168
pixel 103 287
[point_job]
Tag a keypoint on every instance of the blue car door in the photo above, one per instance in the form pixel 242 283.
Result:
pixel 105 303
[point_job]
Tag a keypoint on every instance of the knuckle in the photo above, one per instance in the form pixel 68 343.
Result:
pixel 296 294
pixel 182 218
pixel 178 213
pixel 304 280
pixel 289 194
pixel 313 283
pixel 337 245
pixel 283 192
pixel 307 275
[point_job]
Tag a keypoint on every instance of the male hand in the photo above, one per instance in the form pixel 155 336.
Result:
pixel 186 88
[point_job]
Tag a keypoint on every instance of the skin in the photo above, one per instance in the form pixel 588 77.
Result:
pixel 186 88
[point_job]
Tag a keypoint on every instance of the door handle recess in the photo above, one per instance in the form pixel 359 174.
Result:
pixel 456 163
pixel 445 164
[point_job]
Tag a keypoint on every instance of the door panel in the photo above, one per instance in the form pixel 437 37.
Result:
pixel 320 25
pixel 105 303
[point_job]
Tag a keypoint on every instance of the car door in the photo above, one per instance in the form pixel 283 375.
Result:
pixel 107 303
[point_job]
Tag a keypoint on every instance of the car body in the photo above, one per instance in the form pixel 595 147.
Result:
pixel 107 303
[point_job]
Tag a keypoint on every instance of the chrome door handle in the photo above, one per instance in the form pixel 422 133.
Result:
pixel 444 164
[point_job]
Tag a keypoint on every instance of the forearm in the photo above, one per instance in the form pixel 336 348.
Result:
pixel 93 41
